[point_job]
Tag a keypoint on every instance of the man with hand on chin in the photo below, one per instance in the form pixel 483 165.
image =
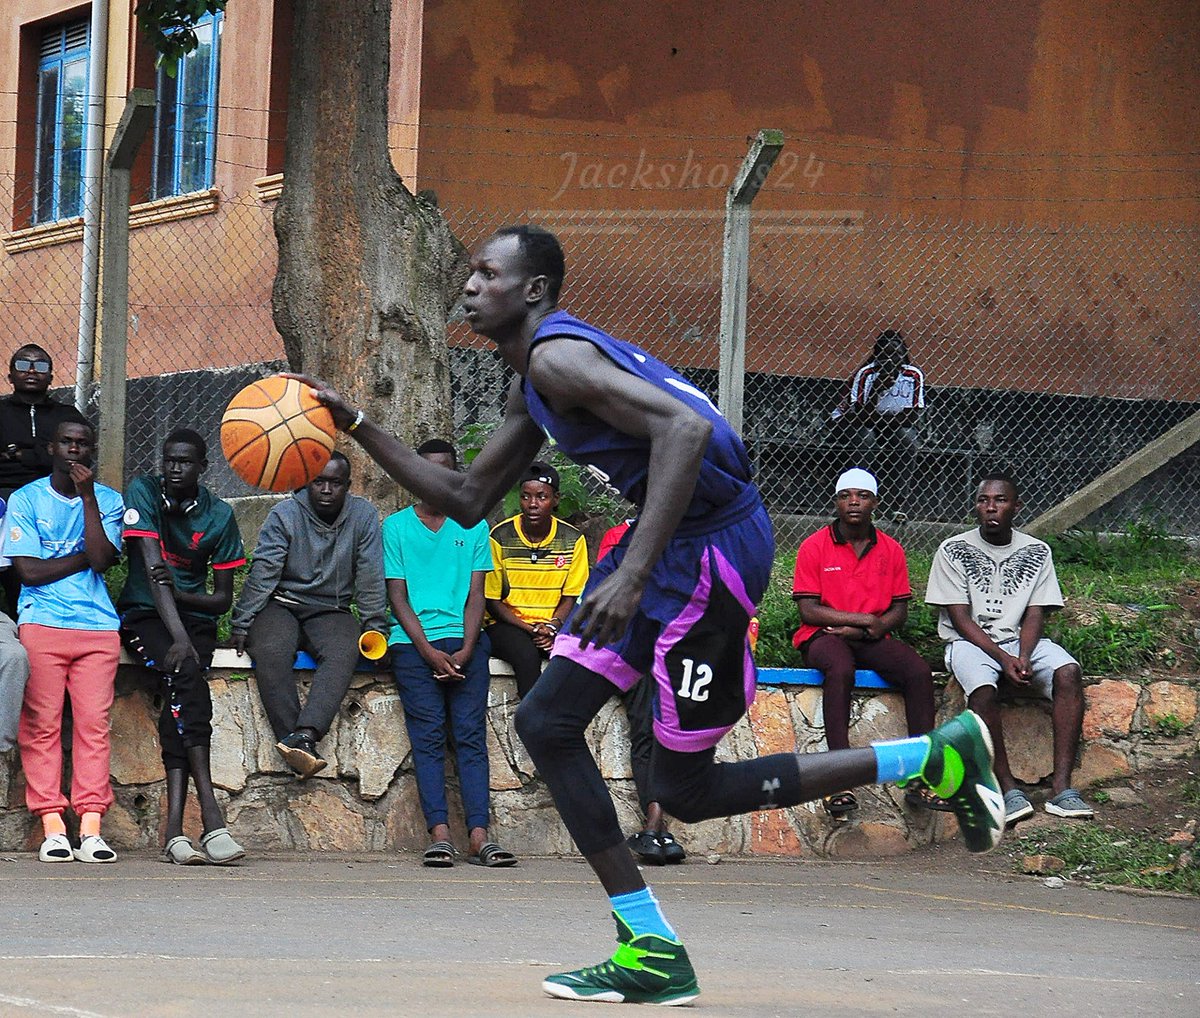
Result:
pixel 64 531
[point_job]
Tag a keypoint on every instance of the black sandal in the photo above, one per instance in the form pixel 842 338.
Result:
pixel 439 855
pixel 839 804
pixel 492 856
pixel 918 797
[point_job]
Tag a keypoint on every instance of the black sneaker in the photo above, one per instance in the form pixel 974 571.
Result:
pixel 671 849
pixel 300 751
pixel 646 847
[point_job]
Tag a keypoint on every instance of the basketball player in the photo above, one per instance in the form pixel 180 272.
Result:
pixel 673 599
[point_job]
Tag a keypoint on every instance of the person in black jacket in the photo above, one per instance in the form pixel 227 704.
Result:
pixel 28 419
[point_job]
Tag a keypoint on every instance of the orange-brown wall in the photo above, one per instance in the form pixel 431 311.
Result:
pixel 991 111
pixel 1039 112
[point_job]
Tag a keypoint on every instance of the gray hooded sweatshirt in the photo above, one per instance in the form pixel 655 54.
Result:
pixel 302 560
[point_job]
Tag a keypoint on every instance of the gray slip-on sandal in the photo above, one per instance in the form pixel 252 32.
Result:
pixel 220 847
pixel 182 852
pixel 1016 806
pixel 1069 803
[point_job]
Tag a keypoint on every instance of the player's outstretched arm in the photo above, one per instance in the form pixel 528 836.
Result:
pixel 464 497
pixel 574 375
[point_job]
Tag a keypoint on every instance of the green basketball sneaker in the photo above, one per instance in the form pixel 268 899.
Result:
pixel 959 770
pixel 645 970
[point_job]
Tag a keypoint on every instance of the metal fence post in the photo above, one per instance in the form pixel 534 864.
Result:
pixel 134 123
pixel 735 270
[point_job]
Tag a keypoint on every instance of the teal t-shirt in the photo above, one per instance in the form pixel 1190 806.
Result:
pixel 437 568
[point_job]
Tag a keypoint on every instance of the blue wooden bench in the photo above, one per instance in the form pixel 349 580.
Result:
pixel 863 679
pixel 305 663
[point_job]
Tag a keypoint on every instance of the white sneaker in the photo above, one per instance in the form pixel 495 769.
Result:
pixel 93 848
pixel 56 848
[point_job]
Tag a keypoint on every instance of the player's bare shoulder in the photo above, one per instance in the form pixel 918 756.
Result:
pixel 567 369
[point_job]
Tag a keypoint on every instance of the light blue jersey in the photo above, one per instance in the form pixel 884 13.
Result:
pixel 43 524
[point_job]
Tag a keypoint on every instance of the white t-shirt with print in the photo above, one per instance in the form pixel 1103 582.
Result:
pixel 997 582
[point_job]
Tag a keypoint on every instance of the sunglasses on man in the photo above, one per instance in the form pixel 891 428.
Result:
pixel 23 364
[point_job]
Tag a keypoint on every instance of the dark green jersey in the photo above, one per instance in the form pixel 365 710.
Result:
pixel 204 534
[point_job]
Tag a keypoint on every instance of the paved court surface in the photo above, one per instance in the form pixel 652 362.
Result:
pixel 319 935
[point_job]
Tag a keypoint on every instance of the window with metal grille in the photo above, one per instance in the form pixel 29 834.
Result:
pixel 185 128
pixel 62 86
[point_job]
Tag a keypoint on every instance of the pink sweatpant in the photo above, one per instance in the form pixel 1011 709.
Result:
pixel 81 664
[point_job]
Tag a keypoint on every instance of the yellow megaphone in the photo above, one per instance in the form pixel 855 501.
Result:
pixel 372 645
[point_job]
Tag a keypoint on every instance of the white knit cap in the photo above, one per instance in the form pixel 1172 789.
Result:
pixel 857 477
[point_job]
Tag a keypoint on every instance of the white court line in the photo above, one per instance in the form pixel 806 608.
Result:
pixel 143 956
pixel 1058 977
pixel 44 1008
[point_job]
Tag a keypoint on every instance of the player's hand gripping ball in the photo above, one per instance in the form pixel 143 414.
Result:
pixel 276 435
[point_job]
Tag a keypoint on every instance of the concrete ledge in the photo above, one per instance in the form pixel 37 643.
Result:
pixel 366 800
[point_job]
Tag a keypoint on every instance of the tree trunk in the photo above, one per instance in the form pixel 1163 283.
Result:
pixel 367 272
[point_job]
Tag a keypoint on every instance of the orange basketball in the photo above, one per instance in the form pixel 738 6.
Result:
pixel 276 435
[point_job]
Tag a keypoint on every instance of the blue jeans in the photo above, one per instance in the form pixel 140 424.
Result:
pixel 433 710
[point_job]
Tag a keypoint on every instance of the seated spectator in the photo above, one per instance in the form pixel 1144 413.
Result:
pixel 995 586
pixel 176 530
pixel 654 843
pixel 28 417
pixel 880 411
pixel 851 586
pixel 14 663
pixel 540 567
pixel 435 573
pixel 317 551
pixel 64 531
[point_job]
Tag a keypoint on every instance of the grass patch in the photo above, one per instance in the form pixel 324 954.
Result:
pixel 1190 793
pixel 1099 856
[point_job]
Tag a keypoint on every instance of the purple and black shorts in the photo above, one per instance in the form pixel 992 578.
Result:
pixel 690 632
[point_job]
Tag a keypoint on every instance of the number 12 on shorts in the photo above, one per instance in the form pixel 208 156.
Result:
pixel 696 677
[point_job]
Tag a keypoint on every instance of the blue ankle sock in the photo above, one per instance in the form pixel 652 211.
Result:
pixel 900 760
pixel 640 912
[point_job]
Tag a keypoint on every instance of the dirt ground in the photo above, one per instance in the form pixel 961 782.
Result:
pixel 1155 803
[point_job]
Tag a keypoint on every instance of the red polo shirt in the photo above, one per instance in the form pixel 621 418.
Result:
pixel 828 569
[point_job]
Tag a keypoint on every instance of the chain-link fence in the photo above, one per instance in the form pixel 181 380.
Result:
pixel 1053 353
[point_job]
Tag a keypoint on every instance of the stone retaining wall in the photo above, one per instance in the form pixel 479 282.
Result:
pixel 366 800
